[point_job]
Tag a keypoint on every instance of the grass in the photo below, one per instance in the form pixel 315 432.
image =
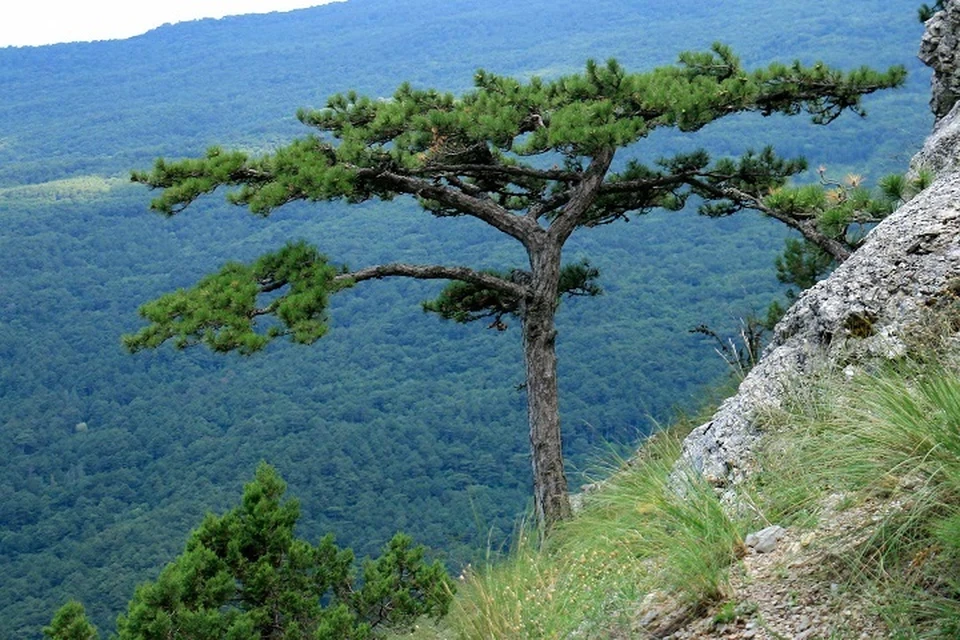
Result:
pixel 887 441
pixel 891 437
pixel 634 536
pixel 905 427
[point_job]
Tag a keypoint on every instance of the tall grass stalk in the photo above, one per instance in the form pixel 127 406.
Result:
pixel 908 427
pixel 893 436
pixel 635 535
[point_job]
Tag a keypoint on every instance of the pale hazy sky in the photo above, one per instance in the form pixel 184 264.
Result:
pixel 35 22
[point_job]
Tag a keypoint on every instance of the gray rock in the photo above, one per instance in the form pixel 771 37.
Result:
pixel 939 152
pixel 863 310
pixel 765 540
pixel 660 615
pixel 867 308
pixel 939 51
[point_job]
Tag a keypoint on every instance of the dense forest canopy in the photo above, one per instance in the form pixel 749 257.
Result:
pixel 112 460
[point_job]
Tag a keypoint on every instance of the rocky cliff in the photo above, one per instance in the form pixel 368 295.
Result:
pixel 939 51
pixel 870 304
pixel 875 306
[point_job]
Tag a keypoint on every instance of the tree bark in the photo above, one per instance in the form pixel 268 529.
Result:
pixel 538 311
pixel 551 498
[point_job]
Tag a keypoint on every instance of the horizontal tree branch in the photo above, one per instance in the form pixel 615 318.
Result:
pixel 629 186
pixel 435 272
pixel 510 171
pixel 807 226
pixel 483 209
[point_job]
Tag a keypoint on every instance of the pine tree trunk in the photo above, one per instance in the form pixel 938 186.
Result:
pixel 551 498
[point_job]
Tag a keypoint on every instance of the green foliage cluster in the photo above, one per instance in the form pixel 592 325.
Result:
pixel 842 211
pixel 70 623
pixel 926 11
pixel 466 302
pixel 481 136
pixel 245 576
pixel 221 310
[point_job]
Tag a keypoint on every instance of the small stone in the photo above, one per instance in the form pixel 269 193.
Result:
pixel 807 539
pixel 911 482
pixel 804 623
pixel 765 540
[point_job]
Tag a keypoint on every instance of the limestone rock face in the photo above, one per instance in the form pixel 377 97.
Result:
pixel 865 308
pixel 941 150
pixel 940 50
pixel 908 262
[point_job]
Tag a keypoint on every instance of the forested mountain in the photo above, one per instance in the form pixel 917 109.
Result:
pixel 395 420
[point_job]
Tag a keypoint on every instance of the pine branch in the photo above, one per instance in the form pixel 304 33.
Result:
pixel 519 227
pixel 807 226
pixel 583 196
pixel 434 272
pixel 504 170
pixel 221 311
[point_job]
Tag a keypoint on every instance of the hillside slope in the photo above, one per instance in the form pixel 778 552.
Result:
pixel 908 264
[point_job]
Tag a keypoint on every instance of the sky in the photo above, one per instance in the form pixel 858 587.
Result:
pixel 38 22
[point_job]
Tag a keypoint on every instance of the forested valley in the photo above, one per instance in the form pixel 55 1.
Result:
pixel 396 420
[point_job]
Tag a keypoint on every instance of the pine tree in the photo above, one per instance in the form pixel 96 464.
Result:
pixel 532 160
pixel 926 11
pixel 245 576
pixel 70 623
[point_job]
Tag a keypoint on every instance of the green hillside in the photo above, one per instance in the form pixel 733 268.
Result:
pixel 396 420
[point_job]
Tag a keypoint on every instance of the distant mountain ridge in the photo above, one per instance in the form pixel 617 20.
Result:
pixel 240 79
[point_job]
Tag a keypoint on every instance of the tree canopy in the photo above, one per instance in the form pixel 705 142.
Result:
pixel 70 623
pixel 245 576
pixel 534 160
pixel 926 11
